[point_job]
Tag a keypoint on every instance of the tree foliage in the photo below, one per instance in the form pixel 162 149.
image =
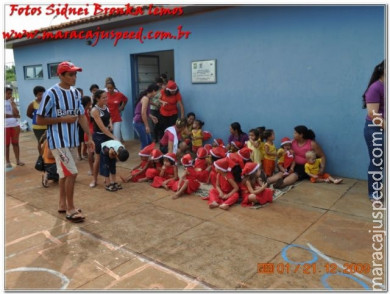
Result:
pixel 10 74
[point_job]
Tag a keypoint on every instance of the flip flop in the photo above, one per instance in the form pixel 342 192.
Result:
pixel 64 211
pixel 92 185
pixel 20 163
pixel 9 165
pixel 74 218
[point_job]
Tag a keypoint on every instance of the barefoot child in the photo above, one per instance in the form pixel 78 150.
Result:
pixel 226 189
pixel 312 168
pixel 137 174
pixel 253 189
pixel 110 152
pixel 168 172
pixel 187 183
pixel 255 144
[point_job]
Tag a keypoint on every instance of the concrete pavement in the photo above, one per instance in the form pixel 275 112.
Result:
pixel 139 238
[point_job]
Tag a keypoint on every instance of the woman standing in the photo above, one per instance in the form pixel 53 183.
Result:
pixel 373 100
pixel 170 99
pixel 142 113
pixel 116 103
pixel 100 116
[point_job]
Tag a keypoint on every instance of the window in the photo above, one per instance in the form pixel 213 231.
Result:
pixel 33 72
pixel 52 70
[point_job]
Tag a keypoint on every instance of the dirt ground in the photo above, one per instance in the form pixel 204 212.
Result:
pixel 139 238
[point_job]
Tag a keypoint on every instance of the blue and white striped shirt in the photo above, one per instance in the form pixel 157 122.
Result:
pixel 57 102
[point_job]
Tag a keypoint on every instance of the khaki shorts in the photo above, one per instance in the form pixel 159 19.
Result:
pixel 65 164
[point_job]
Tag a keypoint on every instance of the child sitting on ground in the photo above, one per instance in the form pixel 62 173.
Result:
pixel 187 182
pixel 168 173
pixel 253 189
pixel 286 162
pixel 216 153
pixel 111 151
pixel 138 173
pixel 235 146
pixel 312 169
pixel 156 163
pixel 225 192
pixel 202 167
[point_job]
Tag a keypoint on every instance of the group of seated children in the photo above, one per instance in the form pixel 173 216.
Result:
pixel 239 170
pixel 231 174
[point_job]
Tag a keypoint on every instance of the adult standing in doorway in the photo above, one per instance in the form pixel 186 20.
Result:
pixel 170 99
pixel 155 105
pixel 373 101
pixel 116 104
pixel 142 115
pixel 32 112
pixel 12 128
pixel 60 110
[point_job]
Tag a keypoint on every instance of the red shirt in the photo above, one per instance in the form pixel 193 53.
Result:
pixel 114 101
pixel 170 108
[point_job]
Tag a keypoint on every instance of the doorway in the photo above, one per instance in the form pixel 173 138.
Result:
pixel 146 67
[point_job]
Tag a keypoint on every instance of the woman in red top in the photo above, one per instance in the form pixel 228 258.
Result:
pixel 116 103
pixel 303 142
pixel 170 98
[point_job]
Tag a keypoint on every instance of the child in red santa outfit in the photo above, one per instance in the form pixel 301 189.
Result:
pixel 156 163
pixel 187 182
pixel 202 167
pixel 138 172
pixel 216 154
pixel 253 189
pixel 286 162
pixel 168 174
pixel 226 189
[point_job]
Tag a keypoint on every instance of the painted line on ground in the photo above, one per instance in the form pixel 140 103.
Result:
pixel 339 265
pixel 64 279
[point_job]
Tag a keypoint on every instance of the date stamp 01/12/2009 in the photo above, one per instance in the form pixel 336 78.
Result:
pixel 311 268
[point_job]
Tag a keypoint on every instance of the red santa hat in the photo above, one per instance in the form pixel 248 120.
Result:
pixel 171 156
pixel 236 144
pixel 245 153
pixel 285 140
pixel 171 86
pixel 206 135
pixel 250 168
pixel 222 164
pixel 155 154
pixel 219 142
pixel 208 147
pixel 147 150
pixel 186 160
pixel 201 153
pixel 235 159
pixel 218 152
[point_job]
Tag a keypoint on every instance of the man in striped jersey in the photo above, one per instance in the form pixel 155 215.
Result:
pixel 60 110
